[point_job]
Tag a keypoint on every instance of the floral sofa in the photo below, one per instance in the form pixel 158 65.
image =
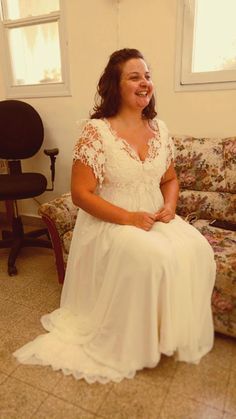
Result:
pixel 206 169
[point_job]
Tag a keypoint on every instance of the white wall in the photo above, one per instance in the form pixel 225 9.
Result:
pixel 151 27
pixel 95 29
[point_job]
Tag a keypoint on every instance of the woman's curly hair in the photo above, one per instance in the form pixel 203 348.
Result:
pixel 108 99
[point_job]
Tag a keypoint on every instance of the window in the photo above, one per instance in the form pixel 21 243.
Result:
pixel 206 45
pixel 34 48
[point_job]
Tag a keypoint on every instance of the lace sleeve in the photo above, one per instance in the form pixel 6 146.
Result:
pixel 89 150
pixel 170 155
pixel 169 145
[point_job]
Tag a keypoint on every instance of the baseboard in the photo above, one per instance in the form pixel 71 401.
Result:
pixel 28 220
pixel 32 221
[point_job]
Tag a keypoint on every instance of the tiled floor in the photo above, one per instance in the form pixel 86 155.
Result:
pixel 170 391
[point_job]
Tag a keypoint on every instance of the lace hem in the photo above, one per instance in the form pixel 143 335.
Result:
pixel 78 375
pixel 71 359
pixel 47 350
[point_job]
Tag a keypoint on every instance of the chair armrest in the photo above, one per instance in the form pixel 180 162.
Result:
pixel 59 215
pixel 52 153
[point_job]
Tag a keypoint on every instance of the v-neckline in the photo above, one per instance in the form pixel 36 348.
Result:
pixel 132 152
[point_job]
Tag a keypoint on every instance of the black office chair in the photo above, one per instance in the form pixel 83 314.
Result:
pixel 21 136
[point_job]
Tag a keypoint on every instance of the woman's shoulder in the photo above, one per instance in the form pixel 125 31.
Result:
pixel 161 127
pixel 92 128
pixel 84 122
pixel 160 123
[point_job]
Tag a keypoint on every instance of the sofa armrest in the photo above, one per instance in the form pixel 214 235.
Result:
pixel 61 211
pixel 59 215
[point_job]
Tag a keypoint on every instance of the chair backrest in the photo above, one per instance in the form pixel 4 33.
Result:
pixel 21 130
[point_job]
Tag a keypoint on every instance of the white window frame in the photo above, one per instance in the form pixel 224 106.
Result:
pixel 35 90
pixel 185 79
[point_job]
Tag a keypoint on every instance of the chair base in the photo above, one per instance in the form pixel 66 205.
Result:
pixel 17 239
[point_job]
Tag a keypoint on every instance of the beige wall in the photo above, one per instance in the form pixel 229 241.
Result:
pixel 151 27
pixel 96 28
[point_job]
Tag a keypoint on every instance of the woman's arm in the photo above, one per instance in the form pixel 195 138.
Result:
pixel 83 186
pixel 170 191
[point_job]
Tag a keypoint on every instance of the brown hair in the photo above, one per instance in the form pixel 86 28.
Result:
pixel 108 98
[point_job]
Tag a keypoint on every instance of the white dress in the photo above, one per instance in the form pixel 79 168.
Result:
pixel 129 295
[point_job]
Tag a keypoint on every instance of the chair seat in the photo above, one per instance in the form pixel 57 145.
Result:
pixel 21 186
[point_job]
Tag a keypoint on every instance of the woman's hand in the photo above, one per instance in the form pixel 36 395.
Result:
pixel 165 214
pixel 142 220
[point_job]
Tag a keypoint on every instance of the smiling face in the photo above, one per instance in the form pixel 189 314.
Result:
pixel 136 86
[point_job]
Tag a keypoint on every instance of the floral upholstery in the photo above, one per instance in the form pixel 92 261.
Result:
pixel 223 243
pixel 62 211
pixel 206 170
pixel 208 205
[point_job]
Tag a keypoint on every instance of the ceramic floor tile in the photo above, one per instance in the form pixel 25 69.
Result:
pixel 35 294
pixel 3 262
pixel 51 303
pixel 18 335
pixel 19 400
pixel 36 256
pixel 49 275
pixel 29 259
pixel 134 399
pixel 10 284
pixel 233 362
pixel 55 408
pixel 29 326
pixel 52 271
pixel 230 404
pixel 78 392
pixel 33 290
pixel 2 377
pixel 7 362
pixel 165 369
pixel 229 416
pixel 180 407
pixel 201 383
pixel 221 354
pixel 11 313
pixel 42 377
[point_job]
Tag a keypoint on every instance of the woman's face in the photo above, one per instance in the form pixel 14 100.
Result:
pixel 136 86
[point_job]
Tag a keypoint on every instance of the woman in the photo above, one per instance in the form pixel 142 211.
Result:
pixel 139 279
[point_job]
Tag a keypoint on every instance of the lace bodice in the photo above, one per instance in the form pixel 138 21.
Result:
pixel 153 143
pixel 114 161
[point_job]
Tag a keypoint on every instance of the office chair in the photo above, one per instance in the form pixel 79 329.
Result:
pixel 21 136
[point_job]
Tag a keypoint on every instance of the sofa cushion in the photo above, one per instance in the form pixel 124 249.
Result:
pixel 230 163
pixel 223 243
pixel 207 205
